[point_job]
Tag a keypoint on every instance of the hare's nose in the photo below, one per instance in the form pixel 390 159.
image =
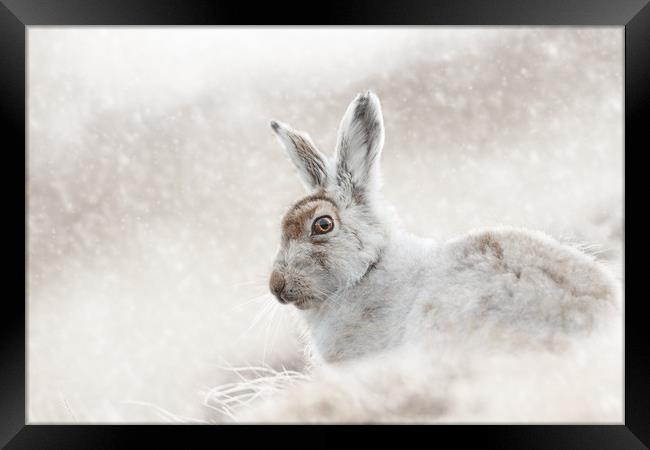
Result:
pixel 277 285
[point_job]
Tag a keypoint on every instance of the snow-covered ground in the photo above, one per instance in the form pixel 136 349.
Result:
pixel 156 188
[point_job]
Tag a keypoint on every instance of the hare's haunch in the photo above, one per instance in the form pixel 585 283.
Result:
pixel 364 285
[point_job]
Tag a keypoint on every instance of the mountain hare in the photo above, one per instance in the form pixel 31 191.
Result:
pixel 363 285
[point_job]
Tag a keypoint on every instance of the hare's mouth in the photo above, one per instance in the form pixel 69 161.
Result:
pixel 302 304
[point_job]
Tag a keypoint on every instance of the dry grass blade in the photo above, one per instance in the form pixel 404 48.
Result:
pixel 255 382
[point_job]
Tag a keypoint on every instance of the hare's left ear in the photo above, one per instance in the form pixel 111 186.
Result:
pixel 311 164
pixel 359 143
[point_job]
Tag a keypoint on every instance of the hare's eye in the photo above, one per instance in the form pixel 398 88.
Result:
pixel 323 225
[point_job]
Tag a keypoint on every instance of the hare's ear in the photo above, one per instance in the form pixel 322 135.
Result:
pixel 311 164
pixel 359 143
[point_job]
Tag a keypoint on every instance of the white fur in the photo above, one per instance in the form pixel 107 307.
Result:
pixel 428 293
pixel 509 288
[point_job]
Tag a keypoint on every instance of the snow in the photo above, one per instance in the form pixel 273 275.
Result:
pixel 156 188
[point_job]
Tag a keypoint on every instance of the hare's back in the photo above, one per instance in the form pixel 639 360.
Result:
pixel 517 283
pixel 532 255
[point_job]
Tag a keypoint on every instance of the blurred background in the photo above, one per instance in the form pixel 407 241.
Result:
pixel 156 188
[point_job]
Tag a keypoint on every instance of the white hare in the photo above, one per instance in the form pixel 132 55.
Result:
pixel 364 285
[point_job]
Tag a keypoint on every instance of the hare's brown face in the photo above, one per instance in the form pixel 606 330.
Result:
pixel 302 269
pixel 331 238
pixel 325 246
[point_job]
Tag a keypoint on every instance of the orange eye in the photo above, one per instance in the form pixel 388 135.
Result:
pixel 322 225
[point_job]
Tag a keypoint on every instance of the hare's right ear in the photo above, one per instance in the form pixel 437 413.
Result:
pixel 311 164
pixel 359 144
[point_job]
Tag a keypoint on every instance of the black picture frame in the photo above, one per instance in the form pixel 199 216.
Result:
pixel 17 15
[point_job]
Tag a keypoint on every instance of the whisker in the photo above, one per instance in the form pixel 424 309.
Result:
pixel 266 334
pixel 258 317
pixel 262 297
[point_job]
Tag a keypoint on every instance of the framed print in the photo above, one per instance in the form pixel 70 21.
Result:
pixel 383 215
